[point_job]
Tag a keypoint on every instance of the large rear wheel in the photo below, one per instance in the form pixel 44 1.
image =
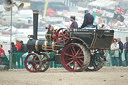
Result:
pixel 75 57
pixel 96 63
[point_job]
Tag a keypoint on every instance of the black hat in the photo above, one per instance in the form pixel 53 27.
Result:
pixel 73 17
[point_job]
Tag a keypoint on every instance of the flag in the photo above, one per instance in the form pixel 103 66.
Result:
pixel 118 24
pixel 98 12
pixel 111 27
pixel 119 10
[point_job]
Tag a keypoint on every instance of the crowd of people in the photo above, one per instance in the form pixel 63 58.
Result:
pixel 18 47
pixel 17 50
pixel 116 51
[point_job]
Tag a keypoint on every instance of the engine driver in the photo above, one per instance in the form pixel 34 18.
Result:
pixel 88 20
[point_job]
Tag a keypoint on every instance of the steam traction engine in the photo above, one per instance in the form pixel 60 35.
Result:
pixel 77 49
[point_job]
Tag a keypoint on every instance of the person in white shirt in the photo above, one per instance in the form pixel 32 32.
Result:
pixel 115 53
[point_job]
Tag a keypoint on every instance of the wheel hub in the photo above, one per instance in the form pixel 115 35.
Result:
pixel 74 58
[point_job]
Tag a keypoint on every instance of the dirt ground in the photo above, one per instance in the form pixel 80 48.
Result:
pixel 106 76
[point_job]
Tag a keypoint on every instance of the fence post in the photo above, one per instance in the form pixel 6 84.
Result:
pixel 10 61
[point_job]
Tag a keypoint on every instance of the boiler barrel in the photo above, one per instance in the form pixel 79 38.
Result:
pixel 40 45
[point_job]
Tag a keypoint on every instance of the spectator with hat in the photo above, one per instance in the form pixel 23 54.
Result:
pixel 18 45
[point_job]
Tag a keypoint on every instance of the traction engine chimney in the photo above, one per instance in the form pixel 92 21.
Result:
pixel 35 24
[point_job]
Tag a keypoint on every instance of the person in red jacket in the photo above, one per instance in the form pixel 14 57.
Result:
pixel 18 45
pixel 2 53
pixel 18 55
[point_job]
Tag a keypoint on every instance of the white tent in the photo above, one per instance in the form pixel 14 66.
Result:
pixel 82 9
pixel 13 29
pixel 104 4
pixel 25 13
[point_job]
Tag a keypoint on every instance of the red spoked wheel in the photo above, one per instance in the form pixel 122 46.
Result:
pixel 44 64
pixel 62 36
pixel 0 60
pixel 75 57
pixel 32 62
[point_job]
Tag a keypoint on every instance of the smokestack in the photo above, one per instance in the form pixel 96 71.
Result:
pixel 35 24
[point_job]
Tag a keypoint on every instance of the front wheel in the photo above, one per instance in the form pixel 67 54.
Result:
pixel 32 62
pixel 44 63
pixel 75 57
